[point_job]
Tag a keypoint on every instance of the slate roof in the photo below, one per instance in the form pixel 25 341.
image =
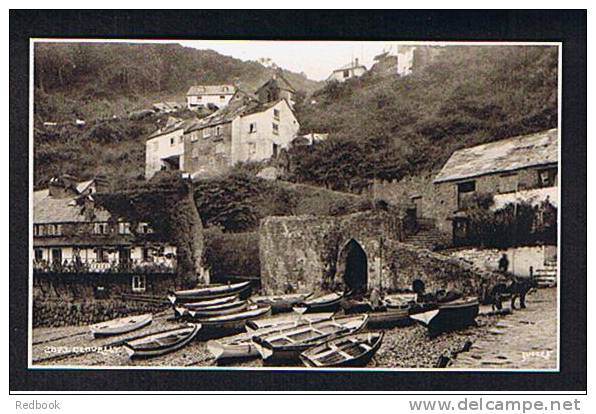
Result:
pixel 48 209
pixel 171 127
pixel 351 65
pixel 281 82
pixel 500 156
pixel 229 113
pixel 197 90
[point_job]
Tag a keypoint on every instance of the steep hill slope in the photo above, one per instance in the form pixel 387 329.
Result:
pixel 97 81
pixel 389 127
pixel 91 80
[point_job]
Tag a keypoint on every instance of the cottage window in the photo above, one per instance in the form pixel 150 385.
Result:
pixel 346 73
pixel 508 183
pixel 194 136
pixel 124 228
pixel 146 254
pixel 144 228
pixel 275 150
pixel 547 177
pixel 101 228
pixel 222 98
pixel 37 230
pixel 101 256
pixel 38 255
pixel 218 131
pixel 252 148
pixel 465 194
pixel 276 113
pixel 252 128
pixel 206 132
pixel 139 283
pixel 275 128
pixel 57 256
pixel 195 152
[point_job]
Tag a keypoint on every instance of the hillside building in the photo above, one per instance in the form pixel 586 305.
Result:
pixel 165 147
pixel 204 96
pixel 275 89
pixel 252 127
pixel 522 168
pixel 351 70
pixel 72 236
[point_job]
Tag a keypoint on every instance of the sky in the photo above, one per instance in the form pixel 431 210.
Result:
pixel 316 59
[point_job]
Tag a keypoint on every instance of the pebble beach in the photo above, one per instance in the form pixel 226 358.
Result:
pixel 524 339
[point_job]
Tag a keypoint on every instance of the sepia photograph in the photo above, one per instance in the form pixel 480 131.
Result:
pixel 295 205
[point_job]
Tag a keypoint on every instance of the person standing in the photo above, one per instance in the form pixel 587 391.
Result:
pixel 503 263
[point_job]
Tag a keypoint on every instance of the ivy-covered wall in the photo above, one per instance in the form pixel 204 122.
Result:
pixel 165 202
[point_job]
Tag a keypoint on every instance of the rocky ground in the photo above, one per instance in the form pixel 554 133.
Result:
pixel 525 339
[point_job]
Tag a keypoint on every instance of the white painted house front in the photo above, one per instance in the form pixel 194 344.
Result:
pixel 200 96
pixel 165 150
pixel 261 135
pixel 349 71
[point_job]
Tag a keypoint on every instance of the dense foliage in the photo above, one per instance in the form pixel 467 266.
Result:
pixel 237 202
pixel 229 256
pixel 390 126
pixel 166 203
pixel 98 80
pixel 515 224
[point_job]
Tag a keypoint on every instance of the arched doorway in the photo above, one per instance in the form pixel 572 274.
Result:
pixel 354 266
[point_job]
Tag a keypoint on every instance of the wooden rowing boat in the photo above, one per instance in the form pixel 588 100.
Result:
pixel 389 318
pixel 325 303
pixel 280 303
pixel 286 321
pixel 234 321
pixel 209 302
pixel 449 316
pixel 241 289
pixel 348 351
pixel 289 343
pixel 121 325
pixel 214 310
pixel 399 301
pixel 162 342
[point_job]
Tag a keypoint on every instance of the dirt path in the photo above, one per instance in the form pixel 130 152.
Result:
pixel 526 339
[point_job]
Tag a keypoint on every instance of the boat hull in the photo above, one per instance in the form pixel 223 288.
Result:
pixel 207 293
pixel 315 306
pixel 143 320
pixel 449 316
pixel 291 352
pixel 391 318
pixel 281 303
pixel 138 352
pixel 360 360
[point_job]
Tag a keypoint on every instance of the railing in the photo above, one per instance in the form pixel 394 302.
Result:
pixel 43 266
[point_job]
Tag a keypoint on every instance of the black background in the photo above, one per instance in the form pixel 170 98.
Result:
pixel 566 26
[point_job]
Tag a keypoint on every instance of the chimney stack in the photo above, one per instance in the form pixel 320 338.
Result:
pixel 356 62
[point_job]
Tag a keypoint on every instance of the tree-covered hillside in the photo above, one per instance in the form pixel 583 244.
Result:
pixel 91 80
pixel 389 127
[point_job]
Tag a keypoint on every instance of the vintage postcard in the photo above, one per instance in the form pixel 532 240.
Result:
pixel 296 205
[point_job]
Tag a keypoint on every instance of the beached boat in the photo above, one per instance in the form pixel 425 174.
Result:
pixel 280 303
pixel 234 321
pixel 348 351
pixel 399 300
pixel 286 321
pixel 162 342
pixel 325 303
pixel 289 343
pixel 212 302
pixel 241 289
pixel 449 316
pixel 121 325
pixel 214 310
pixel 389 318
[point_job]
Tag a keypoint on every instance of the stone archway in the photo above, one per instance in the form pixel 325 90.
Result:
pixel 353 267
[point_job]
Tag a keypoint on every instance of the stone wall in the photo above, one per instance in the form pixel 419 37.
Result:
pixel 305 252
pixel 54 312
pixel 74 286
